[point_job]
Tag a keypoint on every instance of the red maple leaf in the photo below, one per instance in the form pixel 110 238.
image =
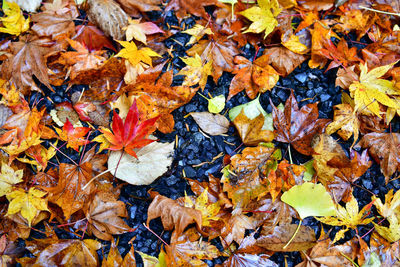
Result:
pixel 130 134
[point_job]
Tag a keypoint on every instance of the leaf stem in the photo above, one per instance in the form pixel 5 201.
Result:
pixel 294 234
pixel 290 154
pixel 203 96
pixel 380 11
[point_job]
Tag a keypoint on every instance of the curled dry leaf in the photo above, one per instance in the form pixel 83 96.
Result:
pixel 280 235
pixel 173 215
pixel 109 17
pixel 212 124
pixel 142 171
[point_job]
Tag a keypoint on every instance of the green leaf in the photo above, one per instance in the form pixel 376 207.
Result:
pixel 309 199
pixel 309 173
pixel 216 104
pixel 373 261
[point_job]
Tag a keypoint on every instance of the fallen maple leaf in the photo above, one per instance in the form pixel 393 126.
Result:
pixel 135 55
pixel 384 149
pixel 173 215
pixel 208 210
pixel 104 216
pixel 28 59
pixel 263 16
pixel 370 90
pixel 283 60
pixel 195 71
pixel 74 136
pixel 298 127
pixel 350 217
pixel 131 133
pixel 345 121
pixel 341 55
pixel 28 203
pixel 254 77
pixel 14 23
pixel 219 50
pixel 55 26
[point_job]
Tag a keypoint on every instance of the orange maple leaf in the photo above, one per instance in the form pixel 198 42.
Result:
pixel 74 136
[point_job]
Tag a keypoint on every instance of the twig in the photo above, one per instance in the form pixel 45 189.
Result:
pixel 380 11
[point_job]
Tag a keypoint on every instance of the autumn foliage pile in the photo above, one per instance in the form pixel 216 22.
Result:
pixel 118 54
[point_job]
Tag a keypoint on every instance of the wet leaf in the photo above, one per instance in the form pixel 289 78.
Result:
pixel 14 22
pixel 280 235
pixel 298 126
pixel 301 198
pixel 251 131
pixel 196 71
pixel 75 136
pixel 384 149
pixel 173 215
pixel 263 16
pixel 8 178
pixel 28 203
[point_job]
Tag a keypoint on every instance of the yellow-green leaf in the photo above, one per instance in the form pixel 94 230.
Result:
pixel 8 178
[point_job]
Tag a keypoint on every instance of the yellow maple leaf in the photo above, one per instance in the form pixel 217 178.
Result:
pixel 197 32
pixel 8 178
pixel 209 211
pixel 135 55
pixel 195 71
pixel 14 22
pixel 391 211
pixel 263 16
pixel 28 203
pixel 369 91
pixel 345 121
pixel 350 217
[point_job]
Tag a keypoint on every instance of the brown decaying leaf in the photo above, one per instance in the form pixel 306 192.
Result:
pixel 212 124
pixel 28 59
pixel 103 215
pixel 298 127
pixel 109 17
pixel 276 239
pixel 250 131
pixel 384 149
pixel 283 60
pixel 173 215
